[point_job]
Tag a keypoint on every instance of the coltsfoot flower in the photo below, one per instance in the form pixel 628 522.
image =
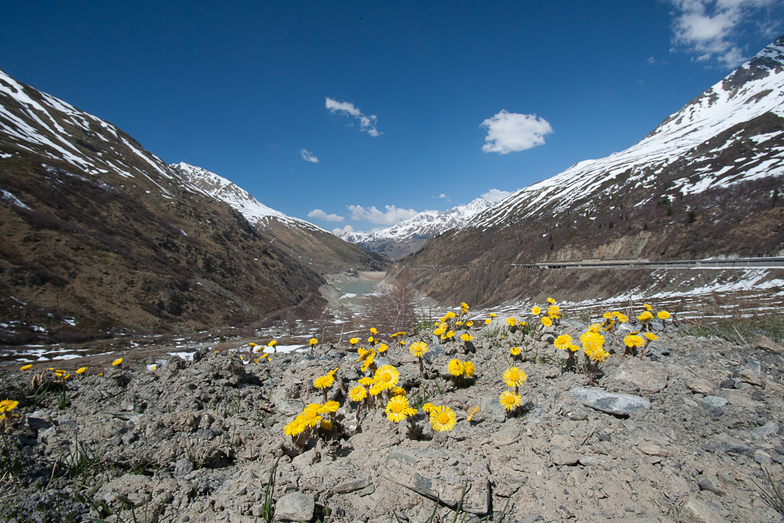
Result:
pixel 514 377
pixel 456 367
pixel 468 369
pixel 357 393
pixel 442 418
pixel 562 342
pixel 386 377
pixel 398 409
pixel 418 349
pixel 509 400
pixel 116 362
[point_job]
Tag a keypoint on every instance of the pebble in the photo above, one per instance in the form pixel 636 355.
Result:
pixel 295 506
pixel 609 402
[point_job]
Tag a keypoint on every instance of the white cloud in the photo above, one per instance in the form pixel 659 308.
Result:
pixel 321 215
pixel 709 28
pixel 392 215
pixel 511 132
pixel 337 231
pixel 366 123
pixel 308 156
pixel 496 195
pixel 442 195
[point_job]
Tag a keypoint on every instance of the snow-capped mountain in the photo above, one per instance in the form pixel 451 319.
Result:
pixel 320 250
pixel 241 200
pixel 100 236
pixel 705 182
pixel 408 236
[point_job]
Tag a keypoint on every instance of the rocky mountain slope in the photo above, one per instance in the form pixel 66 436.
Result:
pixel 410 235
pixel 685 433
pixel 101 237
pixel 311 245
pixel 705 182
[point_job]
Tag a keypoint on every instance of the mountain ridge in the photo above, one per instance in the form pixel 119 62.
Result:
pixel 704 182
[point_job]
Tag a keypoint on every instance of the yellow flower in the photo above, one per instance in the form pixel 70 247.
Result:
pixel 514 377
pixel 418 349
pixel 464 305
pixel 554 311
pixel 622 318
pixel 663 315
pixel 398 391
pixel 546 321
pixel 607 315
pixel 510 400
pixel 455 367
pixel 645 317
pixel 468 369
pixel 647 307
pixel 353 341
pixel 458 324
pixel 488 321
pixel 562 342
pixel 449 315
pixel 398 409
pixel 376 389
pixel 386 377
pixel 6 406
pixel 81 370
pixel 330 406
pixel 442 418
pixel 536 311
pixel 466 337
pixel 366 381
pixel 597 354
pixel 362 353
pixel 272 343
pixel 592 340
pixel 469 323
pixel 493 315
pixel 373 331
pixel 511 322
pixel 294 428
pixel 116 362
pixel 395 335
pixel 472 413
pixel 313 341
pixel 450 334
pixel 439 331
pixel 372 340
pixel 251 344
pixel 427 408
pixel 326 425
pixel 382 347
pixel 324 382
pixel 550 300
pixel 515 351
pixel 369 360
pixel 358 393
pixel 633 340
pixel 651 336
pixel 26 367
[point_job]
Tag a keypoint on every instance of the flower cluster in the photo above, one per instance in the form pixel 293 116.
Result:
pixel 460 370
pixel 510 399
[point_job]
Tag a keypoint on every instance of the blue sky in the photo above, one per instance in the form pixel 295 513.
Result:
pixel 362 113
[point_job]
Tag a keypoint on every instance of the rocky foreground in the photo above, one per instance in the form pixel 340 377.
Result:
pixel 684 433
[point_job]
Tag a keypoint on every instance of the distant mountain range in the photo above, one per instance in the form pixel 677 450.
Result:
pixel 409 236
pixel 101 237
pixel 311 245
pixel 706 182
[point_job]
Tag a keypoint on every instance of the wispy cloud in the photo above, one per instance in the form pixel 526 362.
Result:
pixel 511 132
pixel 391 216
pixel 366 123
pixel 308 156
pixel 496 195
pixel 709 29
pixel 318 214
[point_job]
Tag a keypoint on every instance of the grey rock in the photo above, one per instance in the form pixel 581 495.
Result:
pixel 708 485
pixel 766 344
pixel 295 506
pixel 351 486
pixel 752 378
pixel 700 386
pixel 754 366
pixel 714 401
pixel 768 429
pixel 561 457
pixel 730 445
pixel 284 404
pixel 762 457
pixel 697 511
pixel 611 403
